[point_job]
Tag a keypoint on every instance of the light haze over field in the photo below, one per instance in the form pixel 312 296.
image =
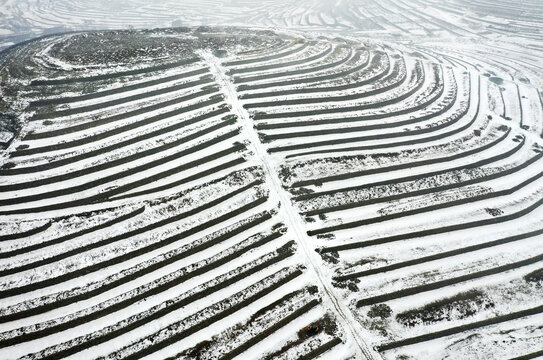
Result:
pixel 483 26
pixel 273 179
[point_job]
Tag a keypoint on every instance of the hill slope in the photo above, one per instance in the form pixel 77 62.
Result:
pixel 215 192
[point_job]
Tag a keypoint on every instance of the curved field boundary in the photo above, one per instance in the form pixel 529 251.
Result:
pixel 309 70
pixel 274 75
pixel 350 109
pixel 445 229
pixel 107 149
pixel 199 175
pixel 75 251
pixel 447 107
pixel 389 168
pixel 140 251
pixel 280 65
pixel 120 90
pixel 141 96
pixel 438 256
pixel 306 90
pixel 313 79
pixel 414 132
pixel 114 75
pixel 437 92
pixel 76 345
pixel 411 194
pixel 54 301
pixel 267 58
pixel 115 131
pixel 437 189
pixel 107 120
pixel 533 355
pixel 343 130
pixel 321 349
pixel 192 270
pixel 378 219
pixel 269 331
pixel 124 160
pixel 119 190
pixel 447 282
pixel 60 240
pixel 25 234
pixel 345 97
pixel 452 120
pixel 461 328
pixel 429 190
pixel 416 164
pixel 349 120
pixel 228 307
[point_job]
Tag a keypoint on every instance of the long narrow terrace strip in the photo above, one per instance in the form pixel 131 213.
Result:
pixel 229 193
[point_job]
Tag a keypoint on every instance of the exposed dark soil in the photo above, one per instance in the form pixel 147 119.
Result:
pixel 460 306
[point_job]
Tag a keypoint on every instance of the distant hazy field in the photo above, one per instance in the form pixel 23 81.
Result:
pixel 333 180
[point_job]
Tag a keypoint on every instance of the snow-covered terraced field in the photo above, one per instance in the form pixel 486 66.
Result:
pixel 493 36
pixel 218 193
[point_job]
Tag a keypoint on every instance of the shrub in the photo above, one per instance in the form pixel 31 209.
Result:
pixel 382 311
pixel 8 165
pixel 331 257
pixel 494 211
pixel 459 306
pixel 535 277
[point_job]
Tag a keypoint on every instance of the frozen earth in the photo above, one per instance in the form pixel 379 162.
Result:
pixel 343 180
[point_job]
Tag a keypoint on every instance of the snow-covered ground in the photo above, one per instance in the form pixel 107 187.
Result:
pixel 370 188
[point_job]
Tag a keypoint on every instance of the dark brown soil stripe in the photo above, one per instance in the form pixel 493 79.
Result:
pixel 74 235
pixel 100 94
pixel 439 256
pixel 25 234
pixel 269 331
pixel 32 311
pixel 114 75
pixel 321 349
pixel 125 160
pixel 461 328
pixel 447 282
pixel 123 100
pixel 107 149
pixel 151 247
pixel 208 322
pixel 77 321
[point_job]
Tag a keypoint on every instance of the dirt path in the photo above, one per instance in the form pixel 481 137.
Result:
pixel 287 210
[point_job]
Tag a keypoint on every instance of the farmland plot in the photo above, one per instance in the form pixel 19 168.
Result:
pixel 219 193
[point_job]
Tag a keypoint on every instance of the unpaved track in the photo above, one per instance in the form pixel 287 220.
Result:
pixel 287 211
